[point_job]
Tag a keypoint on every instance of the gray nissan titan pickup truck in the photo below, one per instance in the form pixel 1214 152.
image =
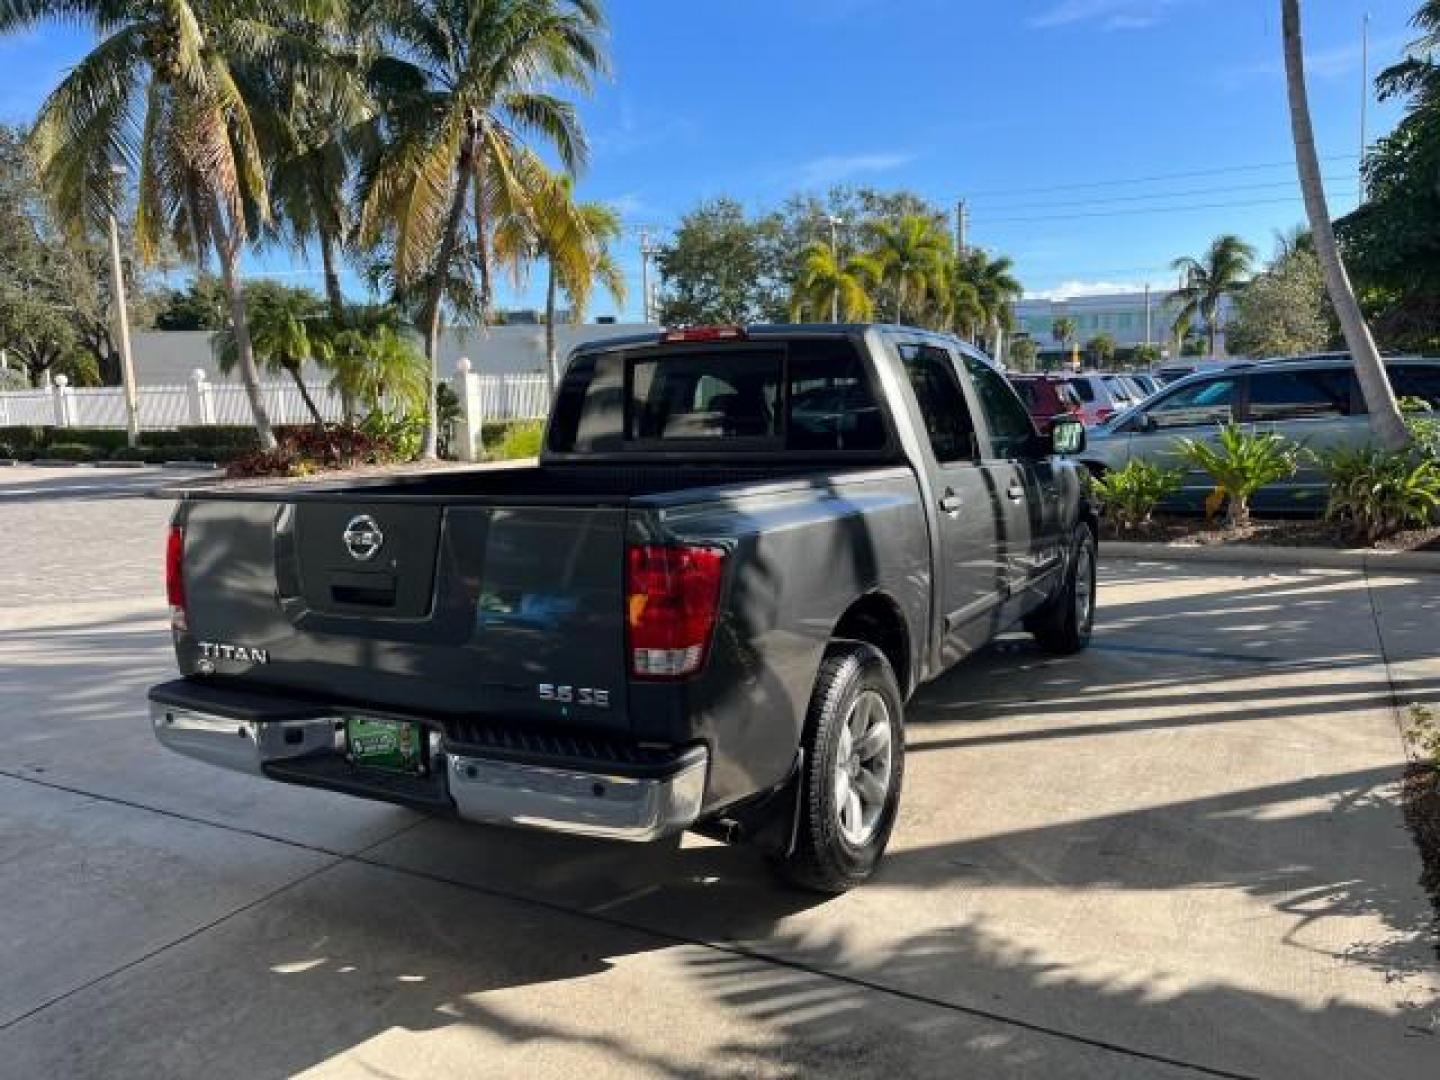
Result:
pixel 704 608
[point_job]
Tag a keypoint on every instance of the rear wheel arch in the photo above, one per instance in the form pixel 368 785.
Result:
pixel 876 619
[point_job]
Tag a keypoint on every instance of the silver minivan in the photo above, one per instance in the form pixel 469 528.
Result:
pixel 1315 403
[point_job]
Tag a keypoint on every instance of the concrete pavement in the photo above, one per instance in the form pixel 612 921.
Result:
pixel 1178 854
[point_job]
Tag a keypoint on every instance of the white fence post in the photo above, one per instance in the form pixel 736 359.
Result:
pixel 472 412
pixel 64 404
pixel 201 400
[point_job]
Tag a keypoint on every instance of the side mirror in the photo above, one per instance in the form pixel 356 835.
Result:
pixel 1067 437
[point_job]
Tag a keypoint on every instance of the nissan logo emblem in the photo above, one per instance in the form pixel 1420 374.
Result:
pixel 363 538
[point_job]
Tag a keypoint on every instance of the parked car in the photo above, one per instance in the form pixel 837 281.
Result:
pixel 704 608
pixel 1316 403
pixel 1047 398
pixel 1148 384
pixel 1102 396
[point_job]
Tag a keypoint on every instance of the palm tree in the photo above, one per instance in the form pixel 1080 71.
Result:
pixel 826 284
pixel 176 92
pixel 1385 419
pixel 911 256
pixel 1063 330
pixel 574 240
pixel 462 85
pixel 1223 268
pixel 284 333
pixel 995 289
pixel 375 359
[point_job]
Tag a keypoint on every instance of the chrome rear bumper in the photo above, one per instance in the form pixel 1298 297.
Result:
pixel 485 790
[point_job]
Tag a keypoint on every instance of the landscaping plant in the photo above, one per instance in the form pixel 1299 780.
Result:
pixel 1132 493
pixel 1380 492
pixel 1241 463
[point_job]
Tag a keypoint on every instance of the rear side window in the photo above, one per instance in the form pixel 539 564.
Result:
pixel 1417 381
pixel 801 395
pixel 1301 395
pixel 942 402
pixel 1202 403
pixel 1069 399
pixel 1011 431
pixel 1083 389
pixel 1030 391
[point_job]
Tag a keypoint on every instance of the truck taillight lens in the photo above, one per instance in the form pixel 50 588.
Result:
pixel 175 575
pixel 672 597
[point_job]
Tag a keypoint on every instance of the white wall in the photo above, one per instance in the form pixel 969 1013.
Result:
pixel 169 356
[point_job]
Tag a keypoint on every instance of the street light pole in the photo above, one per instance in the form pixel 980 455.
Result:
pixel 835 224
pixel 122 318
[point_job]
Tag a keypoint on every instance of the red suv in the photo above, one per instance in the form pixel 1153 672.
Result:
pixel 1048 397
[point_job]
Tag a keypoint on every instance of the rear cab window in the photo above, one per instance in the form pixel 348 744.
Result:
pixel 803 395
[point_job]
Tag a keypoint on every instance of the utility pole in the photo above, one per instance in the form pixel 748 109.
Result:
pixel 1364 97
pixel 962 226
pixel 122 317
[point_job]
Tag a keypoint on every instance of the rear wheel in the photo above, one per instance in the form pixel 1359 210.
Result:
pixel 1064 624
pixel 854 762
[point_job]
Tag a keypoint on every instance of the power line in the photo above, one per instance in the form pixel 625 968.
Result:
pixel 1162 209
pixel 1153 179
pixel 1269 185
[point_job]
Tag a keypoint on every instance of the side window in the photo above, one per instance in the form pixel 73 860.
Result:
pixel 1198 405
pixel 1417 381
pixel 1083 390
pixel 942 403
pixel 1301 395
pixel 831 404
pixel 1011 431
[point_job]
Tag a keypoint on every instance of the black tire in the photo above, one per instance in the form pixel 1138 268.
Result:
pixel 1059 626
pixel 852 679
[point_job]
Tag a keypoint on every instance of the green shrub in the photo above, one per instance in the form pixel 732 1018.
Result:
pixel 1380 492
pixel 20 439
pixel 105 440
pixel 70 452
pixel 1132 493
pixel 1241 463
pixel 1423 733
pixel 521 440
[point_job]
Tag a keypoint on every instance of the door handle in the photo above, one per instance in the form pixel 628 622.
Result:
pixel 1015 491
pixel 951 503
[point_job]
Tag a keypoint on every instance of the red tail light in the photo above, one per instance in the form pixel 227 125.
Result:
pixel 672 597
pixel 704 333
pixel 175 575
pixel 1102 414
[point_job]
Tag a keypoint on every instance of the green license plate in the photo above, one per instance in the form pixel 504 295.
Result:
pixel 384 744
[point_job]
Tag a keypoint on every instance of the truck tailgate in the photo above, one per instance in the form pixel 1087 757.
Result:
pixel 479 604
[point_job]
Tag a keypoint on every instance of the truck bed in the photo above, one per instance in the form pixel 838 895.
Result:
pixel 547 485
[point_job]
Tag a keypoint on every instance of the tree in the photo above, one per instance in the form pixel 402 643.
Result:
pixel 994 288
pixel 199 306
pixel 1385 419
pixel 1147 355
pixel 1024 354
pixel 1101 349
pixel 284 333
pixel 1392 242
pixel 910 256
pixel 461 89
pixel 574 239
pixel 1063 331
pixel 376 360
pixel 179 87
pixel 826 285
pixel 1207 280
pixel 722 268
pixel 1282 311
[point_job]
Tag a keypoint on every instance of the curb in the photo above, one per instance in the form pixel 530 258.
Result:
pixel 208 466
pixel 1287 558
pixel 119 464
pixel 59 463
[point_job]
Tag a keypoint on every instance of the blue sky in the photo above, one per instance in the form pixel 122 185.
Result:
pixel 1095 140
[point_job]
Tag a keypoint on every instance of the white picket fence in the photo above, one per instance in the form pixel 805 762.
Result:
pixel 202 403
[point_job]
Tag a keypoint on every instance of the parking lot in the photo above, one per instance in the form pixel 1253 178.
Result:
pixel 1180 853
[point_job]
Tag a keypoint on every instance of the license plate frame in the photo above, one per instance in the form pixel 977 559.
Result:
pixel 383 744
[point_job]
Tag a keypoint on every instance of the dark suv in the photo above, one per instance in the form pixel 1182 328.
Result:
pixel 1047 398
